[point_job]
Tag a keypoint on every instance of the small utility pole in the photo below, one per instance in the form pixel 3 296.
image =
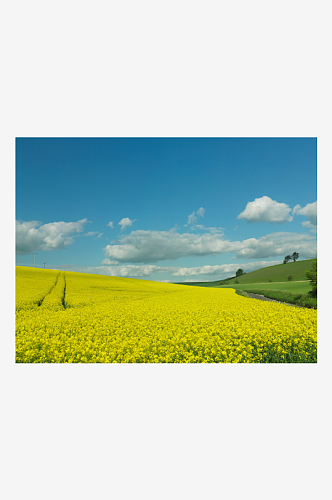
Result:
pixel 34 258
pixel 44 264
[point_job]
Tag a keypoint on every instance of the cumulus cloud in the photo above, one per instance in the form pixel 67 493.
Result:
pixel 309 211
pixel 110 224
pixel 218 270
pixel 131 271
pixel 126 222
pixel 109 262
pixel 33 235
pixel 90 233
pixel 126 271
pixel 192 218
pixel 276 244
pixel 146 270
pixel 308 225
pixel 212 230
pixel 194 281
pixel 153 246
pixel 265 209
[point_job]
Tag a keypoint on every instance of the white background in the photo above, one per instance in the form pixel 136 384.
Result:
pixel 161 69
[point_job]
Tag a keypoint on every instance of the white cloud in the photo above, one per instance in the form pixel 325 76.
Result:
pixel 265 209
pixel 212 230
pixel 194 281
pixel 278 244
pixel 310 211
pixel 192 219
pixel 108 262
pixel 90 233
pixel 308 225
pixel 52 236
pixel 126 222
pixel 99 235
pixel 110 224
pixel 153 246
pixel 125 271
pixel 131 271
pixel 218 270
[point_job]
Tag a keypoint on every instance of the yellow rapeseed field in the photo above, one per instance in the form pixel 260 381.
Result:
pixel 64 317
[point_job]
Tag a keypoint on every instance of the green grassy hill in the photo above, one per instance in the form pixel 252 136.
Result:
pixel 200 283
pixel 290 286
pixel 277 274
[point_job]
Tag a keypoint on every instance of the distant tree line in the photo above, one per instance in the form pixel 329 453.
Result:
pixel 225 281
pixel 292 257
pixel 239 272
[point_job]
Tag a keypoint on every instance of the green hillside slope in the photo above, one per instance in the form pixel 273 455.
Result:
pixel 277 274
pixel 200 283
pixel 290 286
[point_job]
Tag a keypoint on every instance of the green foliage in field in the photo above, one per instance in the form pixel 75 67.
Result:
pixel 294 256
pixel 288 286
pixel 312 276
pixel 304 300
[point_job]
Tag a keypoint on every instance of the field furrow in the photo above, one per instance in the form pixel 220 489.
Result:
pixel 32 286
pixel 55 299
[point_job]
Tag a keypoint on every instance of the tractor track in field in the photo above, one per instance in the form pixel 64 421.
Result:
pixel 42 300
pixel 63 300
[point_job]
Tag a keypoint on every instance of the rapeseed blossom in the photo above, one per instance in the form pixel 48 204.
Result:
pixel 83 318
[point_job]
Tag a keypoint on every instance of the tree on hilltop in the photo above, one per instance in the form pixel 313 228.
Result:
pixel 294 256
pixel 239 272
pixel 287 259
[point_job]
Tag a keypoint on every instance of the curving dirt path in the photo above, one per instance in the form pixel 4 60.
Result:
pixel 261 297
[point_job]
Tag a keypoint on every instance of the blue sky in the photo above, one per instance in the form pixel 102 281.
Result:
pixel 190 209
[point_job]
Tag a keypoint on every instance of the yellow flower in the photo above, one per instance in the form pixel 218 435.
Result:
pixel 121 320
